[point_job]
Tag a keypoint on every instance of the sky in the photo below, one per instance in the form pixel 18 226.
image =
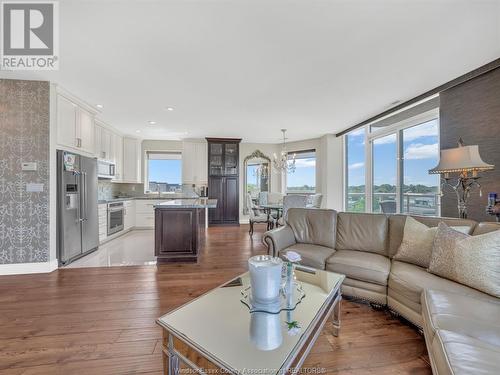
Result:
pixel 305 173
pixel 165 171
pixel 420 149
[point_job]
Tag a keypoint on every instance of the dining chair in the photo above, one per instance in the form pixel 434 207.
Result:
pixel 255 215
pixel 292 201
pixel 315 200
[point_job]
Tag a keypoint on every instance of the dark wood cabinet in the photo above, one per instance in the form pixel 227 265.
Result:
pixel 223 180
pixel 178 234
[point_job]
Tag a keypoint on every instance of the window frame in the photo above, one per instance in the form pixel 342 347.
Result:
pixel 146 168
pixel 315 173
pixel 397 129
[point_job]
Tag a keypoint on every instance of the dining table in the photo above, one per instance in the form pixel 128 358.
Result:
pixel 268 208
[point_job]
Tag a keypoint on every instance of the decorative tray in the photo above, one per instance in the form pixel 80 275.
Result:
pixel 284 303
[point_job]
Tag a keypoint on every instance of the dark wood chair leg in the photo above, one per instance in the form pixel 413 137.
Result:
pixel 251 228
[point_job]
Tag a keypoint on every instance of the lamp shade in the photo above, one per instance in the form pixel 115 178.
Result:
pixel 461 159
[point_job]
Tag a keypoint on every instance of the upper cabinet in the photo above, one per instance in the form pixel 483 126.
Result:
pixel 194 163
pixel 104 145
pixel 131 160
pixel 223 156
pixel 75 126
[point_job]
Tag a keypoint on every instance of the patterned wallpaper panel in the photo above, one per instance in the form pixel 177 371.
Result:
pixel 24 137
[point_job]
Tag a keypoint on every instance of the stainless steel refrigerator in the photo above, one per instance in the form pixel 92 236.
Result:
pixel 77 223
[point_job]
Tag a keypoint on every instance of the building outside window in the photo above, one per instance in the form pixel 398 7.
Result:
pixel 303 179
pixel 164 172
pixel 398 155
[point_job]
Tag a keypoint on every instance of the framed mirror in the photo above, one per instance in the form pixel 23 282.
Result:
pixel 256 176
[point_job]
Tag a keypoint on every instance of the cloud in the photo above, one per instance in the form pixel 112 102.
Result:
pixel 356 165
pixel 391 138
pixel 305 163
pixel 417 151
pixel 423 130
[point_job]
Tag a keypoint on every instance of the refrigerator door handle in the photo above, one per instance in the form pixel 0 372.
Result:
pixel 84 203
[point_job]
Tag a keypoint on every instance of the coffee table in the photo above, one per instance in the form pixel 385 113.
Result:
pixel 216 333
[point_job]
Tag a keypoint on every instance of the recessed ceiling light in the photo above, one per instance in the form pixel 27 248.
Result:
pixel 170 108
pixel 100 106
pixel 152 122
pixel 137 131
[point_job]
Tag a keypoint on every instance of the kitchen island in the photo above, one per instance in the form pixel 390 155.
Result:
pixel 180 229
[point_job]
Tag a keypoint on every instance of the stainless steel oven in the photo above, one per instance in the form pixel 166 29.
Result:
pixel 115 217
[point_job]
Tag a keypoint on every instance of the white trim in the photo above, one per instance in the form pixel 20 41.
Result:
pixel 27 268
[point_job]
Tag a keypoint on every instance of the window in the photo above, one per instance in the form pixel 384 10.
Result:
pixel 355 171
pixel 420 148
pixel 303 179
pixel 164 172
pixel 398 156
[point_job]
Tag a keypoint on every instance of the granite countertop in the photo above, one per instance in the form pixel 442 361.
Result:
pixel 188 203
pixel 152 197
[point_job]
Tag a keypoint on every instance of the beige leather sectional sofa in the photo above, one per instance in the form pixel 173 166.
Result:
pixel 362 246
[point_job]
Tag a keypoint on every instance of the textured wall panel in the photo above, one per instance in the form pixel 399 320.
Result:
pixel 472 111
pixel 24 137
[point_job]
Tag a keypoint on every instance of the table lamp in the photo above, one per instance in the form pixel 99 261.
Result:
pixel 466 162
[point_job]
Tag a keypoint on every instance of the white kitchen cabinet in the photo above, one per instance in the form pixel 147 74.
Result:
pixel 129 215
pixel 118 154
pixel 104 143
pixel 131 160
pixel 194 163
pixel 102 214
pixel 145 212
pixel 85 130
pixel 75 126
pixel 66 122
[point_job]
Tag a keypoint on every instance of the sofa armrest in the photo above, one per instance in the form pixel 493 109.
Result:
pixel 278 239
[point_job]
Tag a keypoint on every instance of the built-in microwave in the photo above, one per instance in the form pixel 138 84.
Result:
pixel 105 169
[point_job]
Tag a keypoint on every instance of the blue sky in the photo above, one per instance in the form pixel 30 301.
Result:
pixel 421 153
pixel 305 173
pixel 165 171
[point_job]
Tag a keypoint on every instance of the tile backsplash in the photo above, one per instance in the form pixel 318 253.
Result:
pixel 107 190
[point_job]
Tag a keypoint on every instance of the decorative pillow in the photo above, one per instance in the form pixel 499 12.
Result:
pixel 470 260
pixel 416 247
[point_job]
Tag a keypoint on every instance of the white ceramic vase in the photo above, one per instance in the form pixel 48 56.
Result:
pixel 265 278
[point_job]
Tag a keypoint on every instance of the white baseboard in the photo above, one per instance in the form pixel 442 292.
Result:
pixel 244 221
pixel 25 268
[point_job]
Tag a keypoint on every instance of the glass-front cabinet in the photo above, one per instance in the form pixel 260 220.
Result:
pixel 223 180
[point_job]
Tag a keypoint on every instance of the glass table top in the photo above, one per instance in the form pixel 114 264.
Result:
pixel 220 324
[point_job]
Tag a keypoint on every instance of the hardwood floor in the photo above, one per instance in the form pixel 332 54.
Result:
pixel 102 320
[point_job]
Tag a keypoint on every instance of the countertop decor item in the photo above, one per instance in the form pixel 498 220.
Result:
pixel 466 161
pixel 265 279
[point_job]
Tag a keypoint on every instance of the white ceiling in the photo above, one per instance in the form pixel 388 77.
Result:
pixel 248 68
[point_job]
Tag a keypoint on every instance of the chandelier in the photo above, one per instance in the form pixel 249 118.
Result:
pixel 262 171
pixel 284 163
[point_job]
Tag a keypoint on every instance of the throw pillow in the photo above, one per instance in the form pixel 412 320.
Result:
pixel 470 260
pixel 416 247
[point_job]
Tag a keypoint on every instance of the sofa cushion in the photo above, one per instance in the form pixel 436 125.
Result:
pixel 416 247
pixel 458 354
pixel 470 260
pixel 312 255
pixel 462 314
pixel 313 226
pixel 397 223
pixel 362 232
pixel 359 265
pixel 462 333
pixel 408 281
